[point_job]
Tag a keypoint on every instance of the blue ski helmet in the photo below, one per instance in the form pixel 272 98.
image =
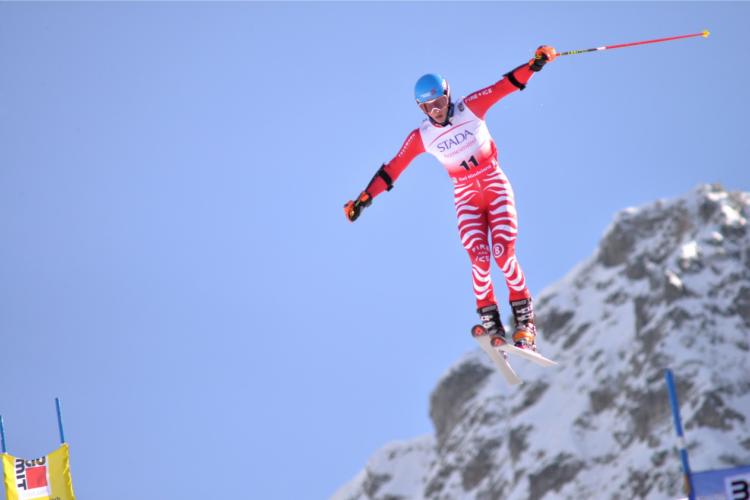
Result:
pixel 429 87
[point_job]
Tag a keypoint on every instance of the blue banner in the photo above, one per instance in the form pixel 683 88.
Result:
pixel 723 484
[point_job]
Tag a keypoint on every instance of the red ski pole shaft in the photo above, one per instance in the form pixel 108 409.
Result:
pixel 704 34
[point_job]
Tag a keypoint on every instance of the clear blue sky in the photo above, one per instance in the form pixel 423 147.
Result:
pixel 174 259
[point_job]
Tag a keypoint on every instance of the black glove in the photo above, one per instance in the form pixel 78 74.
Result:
pixel 543 54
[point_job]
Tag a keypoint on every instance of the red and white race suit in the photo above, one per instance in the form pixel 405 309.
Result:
pixel 483 195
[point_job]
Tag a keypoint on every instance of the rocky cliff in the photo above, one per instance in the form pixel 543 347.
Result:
pixel 669 286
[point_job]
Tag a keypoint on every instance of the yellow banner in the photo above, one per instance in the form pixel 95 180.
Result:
pixel 46 478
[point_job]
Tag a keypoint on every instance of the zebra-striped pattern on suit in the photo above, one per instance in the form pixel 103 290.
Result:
pixel 485 209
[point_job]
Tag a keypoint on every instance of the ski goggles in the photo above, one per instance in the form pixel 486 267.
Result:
pixel 438 103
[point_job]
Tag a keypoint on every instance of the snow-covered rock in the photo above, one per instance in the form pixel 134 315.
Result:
pixel 668 287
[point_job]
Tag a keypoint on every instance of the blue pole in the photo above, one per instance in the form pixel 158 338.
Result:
pixel 2 435
pixel 59 420
pixel 678 429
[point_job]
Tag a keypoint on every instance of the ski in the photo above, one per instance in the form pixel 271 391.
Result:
pixel 500 343
pixel 499 359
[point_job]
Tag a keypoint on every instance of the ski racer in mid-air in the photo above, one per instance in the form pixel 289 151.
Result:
pixel 455 133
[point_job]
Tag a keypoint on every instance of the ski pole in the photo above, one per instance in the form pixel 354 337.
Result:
pixel 704 34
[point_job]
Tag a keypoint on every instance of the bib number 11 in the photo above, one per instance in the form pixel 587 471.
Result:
pixel 466 165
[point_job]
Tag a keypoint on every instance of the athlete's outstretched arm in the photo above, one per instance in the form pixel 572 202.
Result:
pixel 482 100
pixel 386 175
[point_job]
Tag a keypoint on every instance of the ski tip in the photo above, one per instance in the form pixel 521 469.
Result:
pixel 706 33
pixel 497 341
pixel 478 331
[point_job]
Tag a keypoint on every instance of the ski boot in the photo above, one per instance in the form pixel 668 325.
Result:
pixel 490 322
pixel 524 336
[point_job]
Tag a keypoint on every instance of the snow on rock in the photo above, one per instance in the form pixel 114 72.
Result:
pixel 669 286
pixel 689 251
pixel 395 471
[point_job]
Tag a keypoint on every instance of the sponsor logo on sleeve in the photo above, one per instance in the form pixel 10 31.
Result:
pixel 408 142
pixel 478 94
